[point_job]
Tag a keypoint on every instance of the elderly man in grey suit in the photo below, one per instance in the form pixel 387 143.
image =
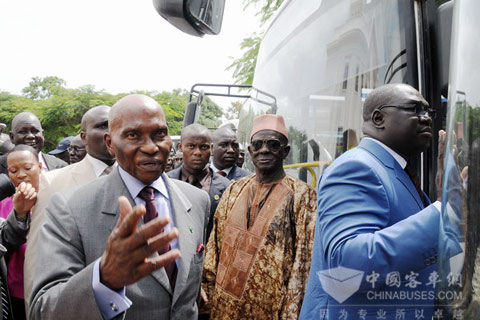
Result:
pixel 101 258
pixel 195 146
pixel 96 163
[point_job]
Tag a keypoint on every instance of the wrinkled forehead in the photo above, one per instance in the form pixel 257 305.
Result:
pixel 198 137
pixel 26 123
pixel 269 134
pixel 77 141
pixel 132 118
pixel 20 156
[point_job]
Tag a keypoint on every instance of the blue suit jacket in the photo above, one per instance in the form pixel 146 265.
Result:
pixel 371 220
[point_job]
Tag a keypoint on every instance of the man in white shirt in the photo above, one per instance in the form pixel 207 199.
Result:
pixel 96 163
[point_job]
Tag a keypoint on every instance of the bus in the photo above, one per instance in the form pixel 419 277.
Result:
pixel 319 59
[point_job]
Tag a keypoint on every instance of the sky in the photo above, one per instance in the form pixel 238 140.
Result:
pixel 115 45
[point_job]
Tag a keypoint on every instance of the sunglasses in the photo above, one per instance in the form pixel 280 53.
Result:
pixel 419 109
pixel 272 145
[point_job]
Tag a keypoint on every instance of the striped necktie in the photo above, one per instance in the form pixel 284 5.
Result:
pixel 148 195
pixel 413 175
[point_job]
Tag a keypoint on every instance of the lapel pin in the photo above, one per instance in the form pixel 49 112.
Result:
pixel 191 229
pixel 216 197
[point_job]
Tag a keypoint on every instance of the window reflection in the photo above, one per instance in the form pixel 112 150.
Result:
pixel 321 63
pixel 461 181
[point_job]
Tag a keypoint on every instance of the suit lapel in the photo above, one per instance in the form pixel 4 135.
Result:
pixel 181 207
pixel 407 182
pixel 48 162
pixel 388 161
pixel 114 188
pixel 83 172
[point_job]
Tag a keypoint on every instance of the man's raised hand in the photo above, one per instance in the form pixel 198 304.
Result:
pixel 128 253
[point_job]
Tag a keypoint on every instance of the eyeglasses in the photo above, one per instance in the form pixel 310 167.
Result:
pixel 272 145
pixel 75 149
pixel 420 109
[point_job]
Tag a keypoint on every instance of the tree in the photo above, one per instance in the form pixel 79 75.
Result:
pixel 244 67
pixel 210 114
pixel 43 88
pixel 233 112
pixel 60 109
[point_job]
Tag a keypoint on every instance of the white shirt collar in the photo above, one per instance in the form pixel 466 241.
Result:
pixel 401 161
pixel 134 185
pixel 42 161
pixel 97 165
pixel 226 170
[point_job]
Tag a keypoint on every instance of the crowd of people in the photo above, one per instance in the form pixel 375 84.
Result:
pixel 128 226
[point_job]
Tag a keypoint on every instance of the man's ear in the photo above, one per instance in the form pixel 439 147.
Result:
pixel 378 119
pixel 83 136
pixel 108 142
pixel 179 147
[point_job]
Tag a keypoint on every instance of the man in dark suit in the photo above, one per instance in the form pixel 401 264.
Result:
pixel 225 150
pixel 26 129
pixel 97 257
pixel 195 144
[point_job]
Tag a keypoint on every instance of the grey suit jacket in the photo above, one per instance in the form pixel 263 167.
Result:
pixel 78 223
pixel 51 182
pixel 218 186
pixel 53 162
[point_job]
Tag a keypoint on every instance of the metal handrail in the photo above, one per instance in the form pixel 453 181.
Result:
pixel 308 166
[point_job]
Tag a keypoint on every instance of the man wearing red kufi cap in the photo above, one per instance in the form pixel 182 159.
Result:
pixel 258 255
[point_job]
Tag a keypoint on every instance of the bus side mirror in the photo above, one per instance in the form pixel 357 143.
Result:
pixel 195 17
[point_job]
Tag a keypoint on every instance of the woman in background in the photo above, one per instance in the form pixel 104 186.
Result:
pixel 24 171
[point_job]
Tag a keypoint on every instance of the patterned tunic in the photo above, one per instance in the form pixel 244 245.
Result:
pixel 260 271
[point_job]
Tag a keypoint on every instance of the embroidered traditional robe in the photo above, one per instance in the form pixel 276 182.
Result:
pixel 258 255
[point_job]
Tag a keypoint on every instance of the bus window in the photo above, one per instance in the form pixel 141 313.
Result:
pixel 319 59
pixel 458 292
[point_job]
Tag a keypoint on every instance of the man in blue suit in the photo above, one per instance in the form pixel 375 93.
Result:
pixel 376 237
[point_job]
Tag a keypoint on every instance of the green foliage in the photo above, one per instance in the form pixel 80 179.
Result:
pixel 233 112
pixel 211 113
pixel 244 67
pixel 268 8
pixel 44 88
pixel 60 109
pixel 173 104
